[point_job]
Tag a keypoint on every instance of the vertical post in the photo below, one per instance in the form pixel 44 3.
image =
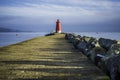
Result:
pixel 58 26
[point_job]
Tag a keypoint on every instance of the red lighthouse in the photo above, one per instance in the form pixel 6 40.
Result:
pixel 58 26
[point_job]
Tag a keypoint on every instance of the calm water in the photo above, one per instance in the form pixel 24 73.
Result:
pixel 12 38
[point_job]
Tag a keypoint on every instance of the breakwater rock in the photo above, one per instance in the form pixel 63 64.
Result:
pixel 104 53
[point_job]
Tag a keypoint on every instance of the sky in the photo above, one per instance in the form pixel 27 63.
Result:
pixel 75 15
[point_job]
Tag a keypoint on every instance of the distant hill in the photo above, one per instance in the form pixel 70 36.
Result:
pixel 8 30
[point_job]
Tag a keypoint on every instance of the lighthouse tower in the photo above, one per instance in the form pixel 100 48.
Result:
pixel 58 26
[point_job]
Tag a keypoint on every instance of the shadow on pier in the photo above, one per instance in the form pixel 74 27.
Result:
pixel 52 58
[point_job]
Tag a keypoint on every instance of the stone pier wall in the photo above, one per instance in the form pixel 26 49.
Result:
pixel 104 53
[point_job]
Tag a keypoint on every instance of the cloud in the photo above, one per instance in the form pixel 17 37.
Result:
pixel 94 3
pixel 72 12
pixel 44 10
pixel 84 10
pixel 62 7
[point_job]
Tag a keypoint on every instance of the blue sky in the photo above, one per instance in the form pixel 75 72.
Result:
pixel 75 15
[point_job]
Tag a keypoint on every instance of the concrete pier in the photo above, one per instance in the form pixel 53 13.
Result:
pixel 46 58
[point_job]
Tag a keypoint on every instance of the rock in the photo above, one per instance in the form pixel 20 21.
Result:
pixel 76 41
pixel 114 50
pixel 72 38
pixel 66 36
pixel 113 67
pixel 69 37
pixel 92 41
pixel 89 40
pixel 96 54
pixel 106 43
pixel 82 46
pixel 112 62
pixel 85 47
pixel 106 56
pixel 86 44
pixel 86 39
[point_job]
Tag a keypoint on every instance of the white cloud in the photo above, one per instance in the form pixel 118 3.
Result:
pixel 44 10
pixel 84 10
pixel 95 3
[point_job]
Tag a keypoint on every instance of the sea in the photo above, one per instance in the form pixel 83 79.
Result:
pixel 8 38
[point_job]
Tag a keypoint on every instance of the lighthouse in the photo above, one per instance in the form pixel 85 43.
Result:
pixel 58 26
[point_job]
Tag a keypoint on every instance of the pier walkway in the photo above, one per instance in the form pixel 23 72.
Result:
pixel 46 58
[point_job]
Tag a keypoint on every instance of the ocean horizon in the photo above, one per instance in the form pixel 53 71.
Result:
pixel 8 38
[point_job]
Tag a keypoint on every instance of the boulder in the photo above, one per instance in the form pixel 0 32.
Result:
pixel 106 43
pixel 76 41
pixel 89 40
pixel 92 41
pixel 85 47
pixel 113 67
pixel 79 36
pixel 82 46
pixel 114 50
pixel 112 62
pixel 66 36
pixel 86 38
pixel 96 54
pixel 69 37
pixel 85 44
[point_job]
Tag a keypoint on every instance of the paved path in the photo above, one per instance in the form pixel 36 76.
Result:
pixel 46 58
